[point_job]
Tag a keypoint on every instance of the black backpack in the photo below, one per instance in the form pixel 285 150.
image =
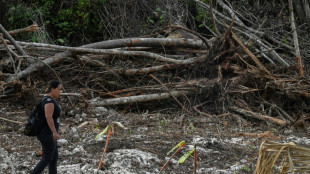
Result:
pixel 36 120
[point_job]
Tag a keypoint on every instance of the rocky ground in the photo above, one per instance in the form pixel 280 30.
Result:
pixel 142 148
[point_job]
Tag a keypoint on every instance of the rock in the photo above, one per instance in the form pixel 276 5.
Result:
pixel 101 110
pixel 243 161
pixel 70 169
pixel 62 142
pixel 131 161
pixel 3 166
pixel 84 115
pixel 79 150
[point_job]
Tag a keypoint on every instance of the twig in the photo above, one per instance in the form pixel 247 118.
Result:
pixel 105 149
pixel 281 111
pixel 68 94
pixel 230 11
pixel 260 65
pixel 200 112
pixel 170 93
pixel 258 116
pixel 212 18
pixel 11 121
pixel 9 53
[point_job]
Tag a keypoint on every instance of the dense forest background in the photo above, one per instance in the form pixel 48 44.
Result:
pixel 79 22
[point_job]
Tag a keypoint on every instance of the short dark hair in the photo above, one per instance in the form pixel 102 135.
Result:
pixel 53 84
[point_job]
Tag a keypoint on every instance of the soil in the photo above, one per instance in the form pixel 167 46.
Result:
pixel 143 146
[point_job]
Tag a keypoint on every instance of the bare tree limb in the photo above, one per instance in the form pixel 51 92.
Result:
pixel 296 44
pixel 213 20
pixel 170 93
pixel 11 39
pixel 260 65
pixel 258 116
pixel 230 11
pixel 31 28
pixel 9 53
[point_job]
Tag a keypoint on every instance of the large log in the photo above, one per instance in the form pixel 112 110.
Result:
pixel 137 99
pixel 148 42
pixel 90 49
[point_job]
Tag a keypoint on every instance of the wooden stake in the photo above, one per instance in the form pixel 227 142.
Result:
pixel 195 160
pixel 171 157
pixel 105 149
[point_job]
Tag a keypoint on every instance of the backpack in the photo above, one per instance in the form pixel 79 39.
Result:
pixel 35 121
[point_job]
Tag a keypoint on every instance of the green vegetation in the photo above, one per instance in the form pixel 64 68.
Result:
pixel 86 21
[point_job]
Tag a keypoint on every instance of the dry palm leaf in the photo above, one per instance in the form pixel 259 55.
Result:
pixel 282 158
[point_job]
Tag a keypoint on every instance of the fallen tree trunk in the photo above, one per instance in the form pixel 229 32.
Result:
pixel 137 99
pixel 89 49
pixel 148 42
pixel 135 42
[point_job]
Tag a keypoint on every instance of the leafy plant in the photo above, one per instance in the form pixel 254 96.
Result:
pixel 163 124
pixel 186 155
pixel 179 146
pixel 245 168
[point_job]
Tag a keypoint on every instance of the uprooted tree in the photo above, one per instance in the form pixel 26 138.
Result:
pixel 236 72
